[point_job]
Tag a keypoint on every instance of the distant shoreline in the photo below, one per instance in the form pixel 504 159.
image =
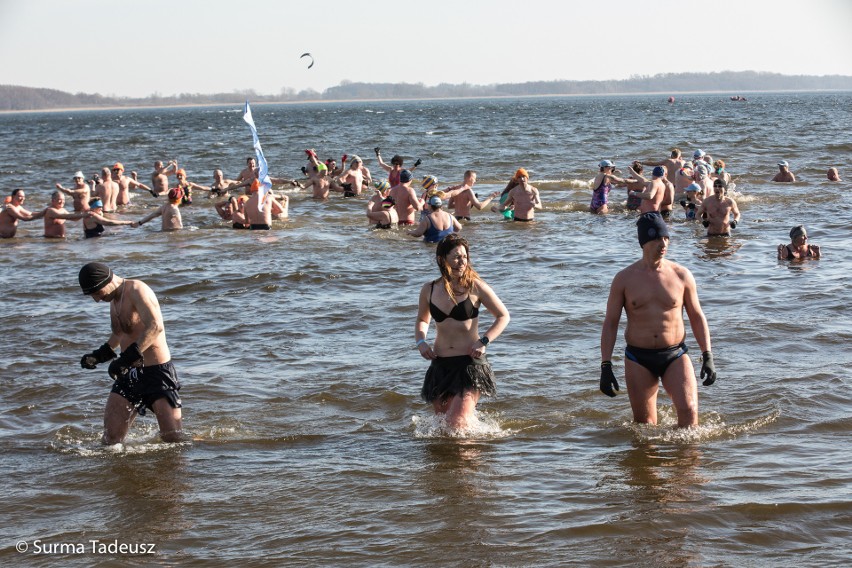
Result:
pixel 726 92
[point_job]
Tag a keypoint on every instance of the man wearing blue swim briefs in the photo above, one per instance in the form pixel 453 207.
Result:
pixel 654 292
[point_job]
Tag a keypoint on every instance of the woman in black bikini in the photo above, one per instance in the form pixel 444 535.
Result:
pixel 798 249
pixel 459 372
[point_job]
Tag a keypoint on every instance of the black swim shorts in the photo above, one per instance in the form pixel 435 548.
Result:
pixel 143 387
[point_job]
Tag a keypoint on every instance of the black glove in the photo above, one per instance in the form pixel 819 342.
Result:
pixel 705 223
pixel 683 202
pixel 708 369
pixel 102 354
pixel 304 170
pixel 377 150
pixel 733 224
pixel 418 162
pixel 608 382
pixel 130 357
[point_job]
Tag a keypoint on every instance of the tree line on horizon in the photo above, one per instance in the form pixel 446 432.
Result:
pixel 19 98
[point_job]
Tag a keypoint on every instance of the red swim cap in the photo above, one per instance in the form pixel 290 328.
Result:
pixel 175 194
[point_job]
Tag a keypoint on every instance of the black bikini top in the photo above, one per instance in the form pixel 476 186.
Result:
pixel 462 311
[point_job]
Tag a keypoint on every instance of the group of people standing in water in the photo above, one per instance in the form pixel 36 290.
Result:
pixel 654 292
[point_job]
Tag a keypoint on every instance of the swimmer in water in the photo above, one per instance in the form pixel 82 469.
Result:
pixel 784 174
pixel 716 211
pixel 798 249
pixel 170 212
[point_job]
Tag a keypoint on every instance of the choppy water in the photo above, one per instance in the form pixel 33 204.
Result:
pixel 301 383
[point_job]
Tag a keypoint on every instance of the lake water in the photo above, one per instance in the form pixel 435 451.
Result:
pixel 311 446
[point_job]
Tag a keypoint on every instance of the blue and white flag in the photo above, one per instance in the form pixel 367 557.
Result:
pixel 263 167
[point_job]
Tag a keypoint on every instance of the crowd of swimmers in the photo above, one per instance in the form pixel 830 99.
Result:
pixel 701 187
pixel 653 291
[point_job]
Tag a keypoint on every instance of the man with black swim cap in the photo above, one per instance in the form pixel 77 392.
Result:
pixel 143 373
pixel 654 292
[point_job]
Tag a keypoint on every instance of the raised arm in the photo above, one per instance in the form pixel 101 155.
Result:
pixel 636 175
pixel 67 192
pixel 384 166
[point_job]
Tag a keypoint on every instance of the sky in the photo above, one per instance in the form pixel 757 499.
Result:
pixel 145 47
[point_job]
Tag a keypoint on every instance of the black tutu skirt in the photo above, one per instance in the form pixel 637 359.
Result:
pixel 449 376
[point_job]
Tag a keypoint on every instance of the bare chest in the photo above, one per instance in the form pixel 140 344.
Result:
pixel 123 318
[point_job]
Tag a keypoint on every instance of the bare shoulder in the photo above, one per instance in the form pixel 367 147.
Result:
pixel 628 271
pixel 480 287
pixel 139 289
pixel 682 272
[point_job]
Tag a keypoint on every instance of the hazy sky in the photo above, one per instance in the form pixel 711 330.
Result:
pixel 137 48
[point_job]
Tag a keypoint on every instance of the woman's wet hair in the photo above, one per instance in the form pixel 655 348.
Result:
pixel 396 160
pixel 637 167
pixel 450 242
